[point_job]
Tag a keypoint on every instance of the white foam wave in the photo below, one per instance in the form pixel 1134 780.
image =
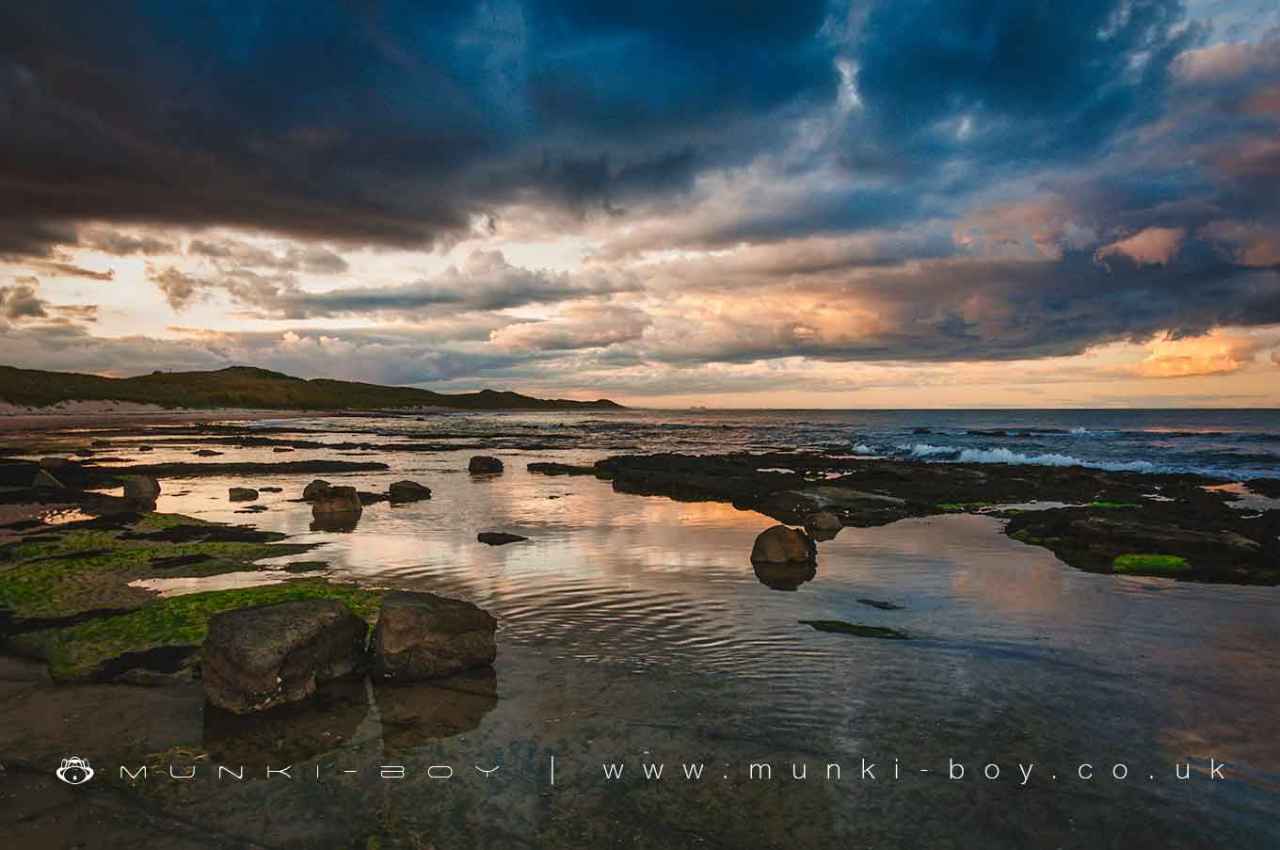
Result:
pixel 928 451
pixel 922 450
pixel 1049 459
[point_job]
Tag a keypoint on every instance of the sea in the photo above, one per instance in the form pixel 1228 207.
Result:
pixel 1231 444
pixel 634 630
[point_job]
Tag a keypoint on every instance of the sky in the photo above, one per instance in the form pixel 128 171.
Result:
pixel 906 203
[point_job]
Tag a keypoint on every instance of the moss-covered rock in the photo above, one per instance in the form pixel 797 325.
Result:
pixel 105 647
pixel 55 576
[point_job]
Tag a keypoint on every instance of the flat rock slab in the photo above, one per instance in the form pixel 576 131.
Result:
pixel 560 469
pixel 260 657
pixel 499 538
pixel 423 636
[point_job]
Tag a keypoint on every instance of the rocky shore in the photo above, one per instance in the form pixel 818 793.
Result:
pixel 1185 527
pixel 295 666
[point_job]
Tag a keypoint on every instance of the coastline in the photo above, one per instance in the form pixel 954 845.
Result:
pixel 635 578
pixel 19 419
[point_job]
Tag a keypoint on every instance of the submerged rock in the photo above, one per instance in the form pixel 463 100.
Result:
pixel 878 603
pixel 141 488
pixel 260 657
pixel 408 491
pixel 242 494
pixel 823 525
pixel 315 490
pixel 44 480
pixel 499 538
pixel 484 465
pixel 783 545
pixel 424 636
pixel 206 453
pixel 855 629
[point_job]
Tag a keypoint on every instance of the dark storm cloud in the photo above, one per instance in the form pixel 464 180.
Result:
pixel 485 281
pixel 1120 173
pixel 315 259
pixel 390 122
pixel 124 244
pixel 1034 80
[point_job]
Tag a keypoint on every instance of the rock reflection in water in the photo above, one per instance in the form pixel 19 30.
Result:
pixel 291 733
pixel 414 714
pixel 784 576
pixel 411 715
pixel 343 523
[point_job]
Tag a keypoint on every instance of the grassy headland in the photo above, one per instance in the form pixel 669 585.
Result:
pixel 247 387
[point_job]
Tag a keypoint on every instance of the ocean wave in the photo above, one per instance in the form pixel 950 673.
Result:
pixel 1050 459
pixel 927 450
pixel 954 454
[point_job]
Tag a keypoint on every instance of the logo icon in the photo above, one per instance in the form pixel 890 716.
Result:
pixel 74 771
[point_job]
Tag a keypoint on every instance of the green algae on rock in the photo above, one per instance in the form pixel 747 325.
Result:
pixel 1149 565
pixel 168 630
pixel 85 569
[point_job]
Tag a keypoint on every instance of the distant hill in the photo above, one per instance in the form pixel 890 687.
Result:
pixel 247 387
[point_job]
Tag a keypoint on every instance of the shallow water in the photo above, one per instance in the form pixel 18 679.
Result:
pixel 635 627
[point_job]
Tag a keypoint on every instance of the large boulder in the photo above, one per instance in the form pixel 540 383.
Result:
pixel 243 494
pixel 823 525
pixel 257 658
pixel 408 491
pixel 337 500
pixel 141 488
pixel 484 465
pixel 424 636
pixel 315 490
pixel 783 545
